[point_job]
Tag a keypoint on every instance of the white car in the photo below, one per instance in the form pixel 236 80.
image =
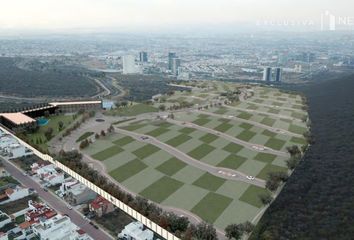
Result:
pixel 250 177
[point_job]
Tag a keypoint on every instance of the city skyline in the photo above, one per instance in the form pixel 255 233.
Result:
pixel 164 15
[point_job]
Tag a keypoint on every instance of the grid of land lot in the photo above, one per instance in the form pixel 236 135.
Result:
pixel 244 131
pixel 164 179
pixel 155 174
pixel 211 149
pixel 293 126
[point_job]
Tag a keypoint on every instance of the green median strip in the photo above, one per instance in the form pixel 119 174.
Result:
pixel 107 153
pixel 84 136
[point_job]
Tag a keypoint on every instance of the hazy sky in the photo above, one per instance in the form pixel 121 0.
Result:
pixel 134 14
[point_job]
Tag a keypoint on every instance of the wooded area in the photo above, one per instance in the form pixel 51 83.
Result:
pixel 40 80
pixel 318 200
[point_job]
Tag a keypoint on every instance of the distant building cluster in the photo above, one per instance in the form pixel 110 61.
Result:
pixel 272 74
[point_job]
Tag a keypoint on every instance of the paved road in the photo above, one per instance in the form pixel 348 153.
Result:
pixel 251 146
pixel 219 172
pixel 101 168
pixel 274 106
pixel 56 203
pixel 272 129
pixel 243 98
pixel 266 113
pixel 104 93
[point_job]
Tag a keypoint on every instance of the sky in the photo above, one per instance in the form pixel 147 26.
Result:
pixel 160 14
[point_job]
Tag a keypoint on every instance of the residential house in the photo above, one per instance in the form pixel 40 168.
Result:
pixel 4 219
pixel 13 194
pixel 47 173
pixel 79 194
pixel 136 231
pixel 101 206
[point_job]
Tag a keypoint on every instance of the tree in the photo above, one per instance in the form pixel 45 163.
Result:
pixel 110 129
pixel 84 144
pixel 162 107
pixel 233 231
pixel 60 125
pixel 247 227
pixel 274 180
pixel 103 133
pixel 124 103
pixel 205 231
pixel 46 114
pixel 178 223
pixel 48 133
pixel 292 162
pixel 265 198
pixel 272 184
pixel 294 150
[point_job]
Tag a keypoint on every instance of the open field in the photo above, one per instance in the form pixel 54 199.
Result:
pixel 132 110
pixel 156 175
pixel 215 131
pixel 294 126
pixel 39 138
pixel 212 149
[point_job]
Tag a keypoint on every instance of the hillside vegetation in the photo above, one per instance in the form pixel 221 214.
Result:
pixel 318 200
pixel 42 80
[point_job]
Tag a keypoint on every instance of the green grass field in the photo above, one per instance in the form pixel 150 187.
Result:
pixel 251 195
pixel 161 189
pixel 209 182
pixel 146 151
pixel 211 206
pixel 232 161
pixel 133 110
pixel 201 151
pixel 176 141
pixel 127 170
pixel 39 138
pixel 107 153
pixel 171 166
pixel 84 136
pixel 161 177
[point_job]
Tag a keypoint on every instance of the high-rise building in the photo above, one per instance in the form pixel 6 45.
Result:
pixel 143 57
pixel 267 74
pixel 176 63
pixel 129 66
pixel 171 56
pixel 277 73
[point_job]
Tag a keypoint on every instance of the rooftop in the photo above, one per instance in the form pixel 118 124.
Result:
pixel 74 103
pixel 98 202
pixel 18 118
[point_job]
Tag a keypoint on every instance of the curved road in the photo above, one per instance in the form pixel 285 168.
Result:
pixel 56 203
pixel 272 129
pixel 219 172
pixel 70 143
pixel 265 113
pixel 272 106
pixel 251 146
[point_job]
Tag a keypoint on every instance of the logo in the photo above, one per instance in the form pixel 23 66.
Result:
pixel 328 21
pixel 331 22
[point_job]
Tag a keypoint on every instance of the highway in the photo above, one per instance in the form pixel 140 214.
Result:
pixel 56 203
